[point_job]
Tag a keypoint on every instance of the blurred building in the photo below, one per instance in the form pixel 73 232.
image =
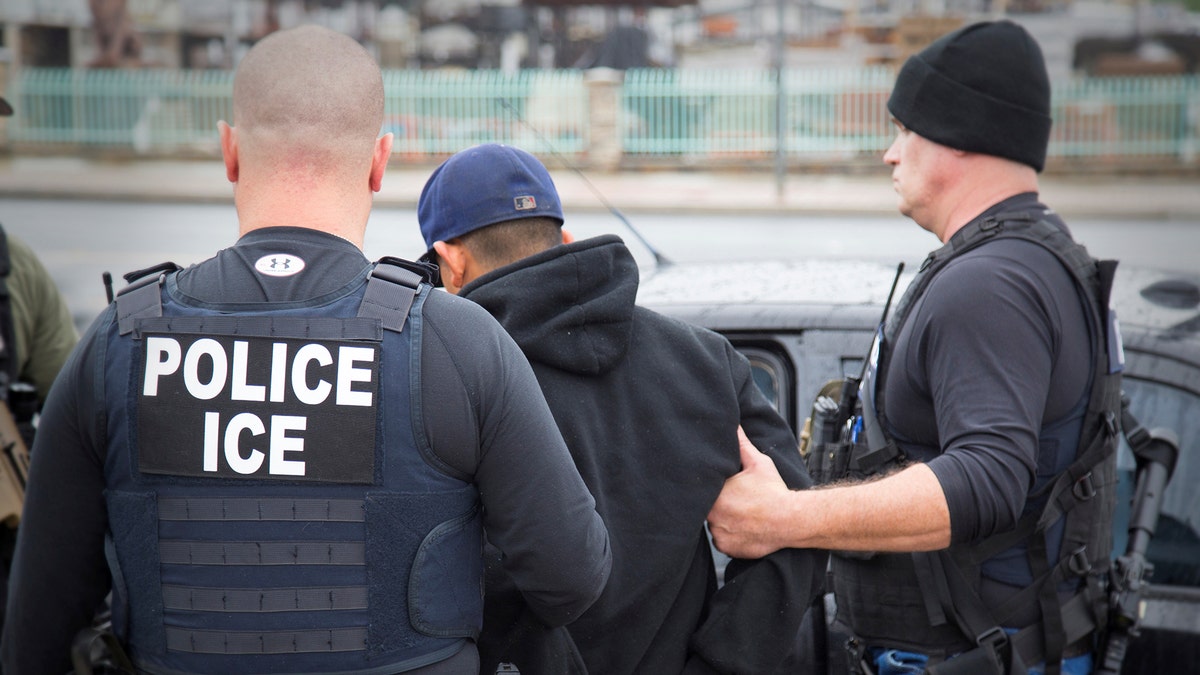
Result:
pixel 1091 36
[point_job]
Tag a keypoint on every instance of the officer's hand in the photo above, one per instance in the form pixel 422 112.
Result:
pixel 741 518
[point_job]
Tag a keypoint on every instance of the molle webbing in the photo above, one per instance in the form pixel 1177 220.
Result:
pixel 249 642
pixel 264 600
pixel 199 508
pixel 262 553
pixel 312 328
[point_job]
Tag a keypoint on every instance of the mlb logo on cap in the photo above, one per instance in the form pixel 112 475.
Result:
pixel 524 203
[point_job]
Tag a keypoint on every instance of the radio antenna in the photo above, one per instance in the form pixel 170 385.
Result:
pixel 659 259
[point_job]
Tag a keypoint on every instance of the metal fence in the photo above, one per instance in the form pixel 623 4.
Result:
pixel 839 114
pixel 146 111
pixel 829 114
pixel 163 112
pixel 685 116
pixel 435 113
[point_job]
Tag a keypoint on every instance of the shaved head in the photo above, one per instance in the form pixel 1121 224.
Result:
pixel 309 95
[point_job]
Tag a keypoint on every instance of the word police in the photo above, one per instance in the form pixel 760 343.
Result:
pixel 249 402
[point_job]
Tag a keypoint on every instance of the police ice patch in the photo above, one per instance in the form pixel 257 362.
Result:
pixel 259 408
pixel 279 265
pixel 524 203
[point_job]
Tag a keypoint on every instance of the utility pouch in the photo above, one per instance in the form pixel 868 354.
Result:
pixel 822 446
pixel 834 446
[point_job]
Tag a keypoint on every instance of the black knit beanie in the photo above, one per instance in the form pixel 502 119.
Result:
pixel 982 88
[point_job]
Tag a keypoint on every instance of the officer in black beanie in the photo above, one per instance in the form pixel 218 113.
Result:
pixel 987 390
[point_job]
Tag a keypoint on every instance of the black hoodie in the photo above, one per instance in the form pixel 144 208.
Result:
pixel 649 407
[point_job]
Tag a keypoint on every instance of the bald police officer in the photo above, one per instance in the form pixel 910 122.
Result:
pixel 283 459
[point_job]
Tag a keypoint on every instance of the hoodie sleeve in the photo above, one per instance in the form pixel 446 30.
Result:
pixel 486 418
pixel 754 619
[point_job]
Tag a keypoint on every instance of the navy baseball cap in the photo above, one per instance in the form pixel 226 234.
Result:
pixel 484 185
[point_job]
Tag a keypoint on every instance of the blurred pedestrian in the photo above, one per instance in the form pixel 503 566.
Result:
pixel 36 335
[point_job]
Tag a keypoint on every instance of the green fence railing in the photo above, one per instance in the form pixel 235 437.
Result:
pixel 436 113
pixel 829 113
pixel 689 116
pixel 159 111
pixel 1126 117
pixel 146 110
pixel 841 113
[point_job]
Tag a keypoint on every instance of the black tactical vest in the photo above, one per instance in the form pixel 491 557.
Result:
pixel 929 602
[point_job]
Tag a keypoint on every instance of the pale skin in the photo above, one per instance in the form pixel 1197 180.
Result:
pixel 941 189
pixel 306 150
pixel 267 192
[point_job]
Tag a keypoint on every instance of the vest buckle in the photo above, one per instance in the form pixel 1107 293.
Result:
pixel 989 223
pixel 1084 488
pixel 1078 563
pixel 856 654
pixel 1110 423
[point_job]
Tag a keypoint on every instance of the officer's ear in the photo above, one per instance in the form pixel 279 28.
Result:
pixel 229 150
pixel 379 161
pixel 452 260
pixel 568 238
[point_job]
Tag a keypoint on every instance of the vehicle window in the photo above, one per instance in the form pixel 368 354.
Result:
pixel 770 374
pixel 1175 548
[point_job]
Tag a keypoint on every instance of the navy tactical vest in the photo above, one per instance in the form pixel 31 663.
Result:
pixel 271 505
pixel 929 602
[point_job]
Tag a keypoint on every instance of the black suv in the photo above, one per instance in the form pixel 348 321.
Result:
pixel 814 321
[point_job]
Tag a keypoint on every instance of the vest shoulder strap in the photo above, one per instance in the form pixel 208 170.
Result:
pixel 391 291
pixel 142 298
pixel 389 296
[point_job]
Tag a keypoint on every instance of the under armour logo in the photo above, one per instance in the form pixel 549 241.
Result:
pixel 279 265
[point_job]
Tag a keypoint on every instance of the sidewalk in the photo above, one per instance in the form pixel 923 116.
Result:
pixel 1131 197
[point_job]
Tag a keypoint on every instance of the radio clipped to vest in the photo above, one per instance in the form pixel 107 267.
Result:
pixel 841 437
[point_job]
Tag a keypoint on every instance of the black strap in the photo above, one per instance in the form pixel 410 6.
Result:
pixel 391 291
pixel 141 299
pixel 1053 635
pixel 993 653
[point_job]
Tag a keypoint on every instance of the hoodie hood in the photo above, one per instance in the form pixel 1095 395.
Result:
pixel 569 307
